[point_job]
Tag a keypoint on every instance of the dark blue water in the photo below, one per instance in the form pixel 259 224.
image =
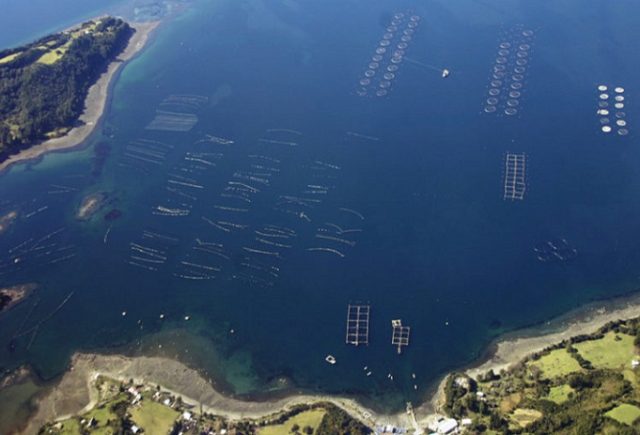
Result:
pixel 438 247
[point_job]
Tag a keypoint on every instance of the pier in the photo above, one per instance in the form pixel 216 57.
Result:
pixel 400 335
pixel 358 324
pixel 514 177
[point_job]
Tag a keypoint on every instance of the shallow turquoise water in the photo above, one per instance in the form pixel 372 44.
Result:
pixel 437 245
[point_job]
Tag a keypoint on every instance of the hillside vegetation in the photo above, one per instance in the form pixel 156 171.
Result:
pixel 43 85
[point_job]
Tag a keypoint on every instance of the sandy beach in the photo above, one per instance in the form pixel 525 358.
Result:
pixel 95 103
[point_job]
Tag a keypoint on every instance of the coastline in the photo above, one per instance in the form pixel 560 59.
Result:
pixel 73 394
pixel 95 103
pixel 510 348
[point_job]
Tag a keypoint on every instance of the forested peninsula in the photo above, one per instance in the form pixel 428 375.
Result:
pixel 44 84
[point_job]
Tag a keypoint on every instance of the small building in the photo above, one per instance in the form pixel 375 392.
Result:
pixel 443 426
pixel 635 363
pixel 186 415
pixel 135 429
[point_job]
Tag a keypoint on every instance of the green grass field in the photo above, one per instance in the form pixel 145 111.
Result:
pixel 560 394
pixel 607 352
pixel 154 417
pixel 70 427
pixel 557 363
pixel 625 414
pixel 311 418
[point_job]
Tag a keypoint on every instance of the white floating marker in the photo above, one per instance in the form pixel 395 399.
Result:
pixel 602 88
pixel 606 129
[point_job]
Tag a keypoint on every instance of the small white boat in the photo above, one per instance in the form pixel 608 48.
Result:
pixel 330 359
pixel 445 73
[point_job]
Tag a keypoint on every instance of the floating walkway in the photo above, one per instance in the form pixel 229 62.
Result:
pixel 358 324
pixel 400 335
pixel 514 177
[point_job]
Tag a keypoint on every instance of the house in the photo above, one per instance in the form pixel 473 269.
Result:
pixel 447 426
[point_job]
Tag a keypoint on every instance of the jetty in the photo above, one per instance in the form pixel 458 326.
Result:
pixel 400 335
pixel 358 324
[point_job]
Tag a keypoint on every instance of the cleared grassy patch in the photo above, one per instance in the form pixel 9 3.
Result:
pixel 9 58
pixel 524 417
pixel 557 363
pixel 510 402
pixel 52 56
pixel 55 54
pixel 560 394
pixel 70 427
pixel 102 415
pixel 625 414
pixel 608 352
pixel 311 418
pixel 153 417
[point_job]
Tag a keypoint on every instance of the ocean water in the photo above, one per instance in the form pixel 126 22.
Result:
pixel 418 202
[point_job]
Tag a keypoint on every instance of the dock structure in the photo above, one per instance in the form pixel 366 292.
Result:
pixel 358 324
pixel 400 335
pixel 514 176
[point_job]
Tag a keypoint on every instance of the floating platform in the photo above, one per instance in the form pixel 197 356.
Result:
pixel 514 177
pixel 400 335
pixel 358 324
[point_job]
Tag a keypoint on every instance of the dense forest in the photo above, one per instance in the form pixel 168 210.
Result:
pixel 43 85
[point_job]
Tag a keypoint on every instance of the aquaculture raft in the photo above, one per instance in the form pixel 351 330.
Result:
pixel 514 177
pixel 358 324
pixel 400 335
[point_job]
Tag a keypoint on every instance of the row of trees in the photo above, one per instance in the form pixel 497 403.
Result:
pixel 38 98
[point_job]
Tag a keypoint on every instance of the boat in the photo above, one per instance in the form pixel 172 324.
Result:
pixel 330 359
pixel 445 73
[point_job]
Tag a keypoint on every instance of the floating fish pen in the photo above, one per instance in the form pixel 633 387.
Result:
pixel 358 324
pixel 611 103
pixel 514 177
pixel 378 77
pixel 400 335
pixel 509 72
